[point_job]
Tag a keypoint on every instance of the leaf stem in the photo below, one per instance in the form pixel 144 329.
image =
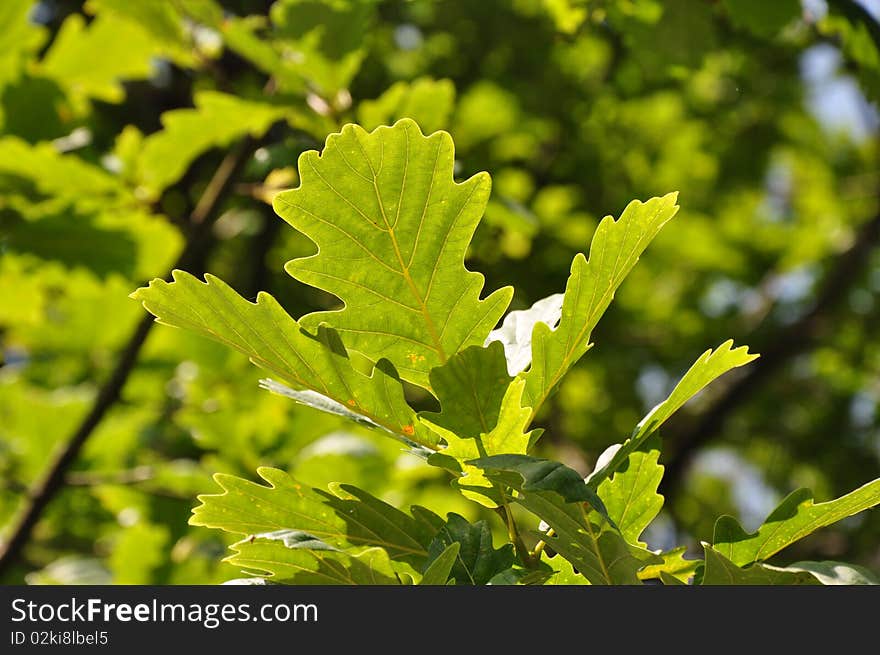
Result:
pixel 513 531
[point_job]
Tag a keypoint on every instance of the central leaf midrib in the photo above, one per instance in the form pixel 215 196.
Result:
pixel 404 269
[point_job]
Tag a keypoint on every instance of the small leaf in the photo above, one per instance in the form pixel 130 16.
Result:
pixel 517 575
pixel 428 102
pixel 515 333
pixel 470 387
pixel 711 365
pixel 477 560
pixel 438 571
pixel 563 572
pixel 542 475
pixel 630 495
pixel 615 249
pixel 92 60
pixel 794 518
pixel 721 571
pixel 392 228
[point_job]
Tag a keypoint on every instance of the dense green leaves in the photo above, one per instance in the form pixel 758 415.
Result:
pixel 763 18
pixel 794 518
pixel 592 545
pixel 386 200
pixel 508 435
pixel 266 555
pixel 428 102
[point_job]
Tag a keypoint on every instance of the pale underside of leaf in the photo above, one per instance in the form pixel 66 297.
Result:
pixel 837 573
pixel 392 228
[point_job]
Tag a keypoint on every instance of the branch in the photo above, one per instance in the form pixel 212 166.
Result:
pixel 192 258
pixel 789 342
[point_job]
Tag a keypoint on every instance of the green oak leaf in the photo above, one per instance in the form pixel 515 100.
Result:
pixel 477 560
pixel 563 572
pixel 275 342
pixel 615 249
pixel 518 575
pixel 837 573
pixel 592 544
pixel 507 435
pixel 471 387
pixel 288 511
pixel 91 60
pixel 438 570
pixel 721 571
pixel 537 474
pixel 428 102
pixel 711 365
pixel 372 521
pixel 795 517
pixel 392 228
pixel 630 494
pixel 268 556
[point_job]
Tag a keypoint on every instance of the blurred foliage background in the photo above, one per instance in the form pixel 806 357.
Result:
pixel 140 134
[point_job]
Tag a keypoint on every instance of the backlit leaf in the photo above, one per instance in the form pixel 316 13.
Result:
pixel 392 228
pixel 274 341
pixel 795 517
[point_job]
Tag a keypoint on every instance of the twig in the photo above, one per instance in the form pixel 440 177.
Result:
pixel 192 258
